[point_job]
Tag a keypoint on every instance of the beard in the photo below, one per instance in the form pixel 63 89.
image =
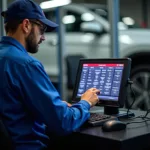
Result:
pixel 31 44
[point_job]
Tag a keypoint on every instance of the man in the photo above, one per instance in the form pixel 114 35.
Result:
pixel 28 100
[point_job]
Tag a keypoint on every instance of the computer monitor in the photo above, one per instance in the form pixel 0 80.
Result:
pixel 108 75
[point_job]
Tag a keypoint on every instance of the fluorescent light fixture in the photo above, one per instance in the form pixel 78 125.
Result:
pixel 128 21
pixel 54 3
pixel 69 19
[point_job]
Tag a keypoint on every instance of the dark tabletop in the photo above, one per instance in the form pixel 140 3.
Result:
pixel 132 131
pixel 135 136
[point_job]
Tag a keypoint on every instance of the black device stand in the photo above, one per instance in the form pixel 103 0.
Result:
pixel 114 111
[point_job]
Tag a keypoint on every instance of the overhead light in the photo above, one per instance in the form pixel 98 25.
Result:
pixel 54 3
pixel 128 21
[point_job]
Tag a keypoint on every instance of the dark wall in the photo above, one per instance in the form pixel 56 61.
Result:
pixel 132 8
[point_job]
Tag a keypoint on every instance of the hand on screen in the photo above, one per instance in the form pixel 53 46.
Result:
pixel 91 96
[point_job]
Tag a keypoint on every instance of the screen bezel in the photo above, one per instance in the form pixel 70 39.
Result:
pixel 123 86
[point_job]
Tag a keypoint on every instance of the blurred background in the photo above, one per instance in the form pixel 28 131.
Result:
pixel 85 32
pixel 139 10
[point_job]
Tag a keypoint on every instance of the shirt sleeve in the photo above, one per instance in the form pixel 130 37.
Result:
pixel 43 100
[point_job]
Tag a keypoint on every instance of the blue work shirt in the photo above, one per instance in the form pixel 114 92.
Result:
pixel 29 102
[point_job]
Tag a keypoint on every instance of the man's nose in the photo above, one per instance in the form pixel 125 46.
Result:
pixel 43 37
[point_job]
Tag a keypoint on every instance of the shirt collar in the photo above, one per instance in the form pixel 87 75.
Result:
pixel 12 41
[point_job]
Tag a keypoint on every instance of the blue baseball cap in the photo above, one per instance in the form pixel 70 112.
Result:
pixel 26 9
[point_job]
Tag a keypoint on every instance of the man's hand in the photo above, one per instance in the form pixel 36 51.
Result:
pixel 91 96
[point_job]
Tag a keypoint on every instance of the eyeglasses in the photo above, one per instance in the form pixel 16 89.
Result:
pixel 43 27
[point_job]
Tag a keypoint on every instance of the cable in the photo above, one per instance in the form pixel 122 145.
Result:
pixel 137 121
pixel 144 117
pixel 147 112
pixel 141 116
pixel 130 83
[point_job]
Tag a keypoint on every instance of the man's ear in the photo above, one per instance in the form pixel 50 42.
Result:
pixel 26 26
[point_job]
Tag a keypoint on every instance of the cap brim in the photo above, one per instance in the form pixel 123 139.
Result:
pixel 49 24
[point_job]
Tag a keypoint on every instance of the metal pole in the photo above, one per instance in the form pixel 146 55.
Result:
pixel 145 13
pixel 61 54
pixel 113 8
pixel 3 6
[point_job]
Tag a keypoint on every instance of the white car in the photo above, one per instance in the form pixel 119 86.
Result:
pixel 87 33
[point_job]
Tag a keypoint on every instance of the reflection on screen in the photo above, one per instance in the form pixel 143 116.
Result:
pixel 106 77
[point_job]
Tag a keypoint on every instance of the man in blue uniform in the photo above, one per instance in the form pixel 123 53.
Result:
pixel 28 100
